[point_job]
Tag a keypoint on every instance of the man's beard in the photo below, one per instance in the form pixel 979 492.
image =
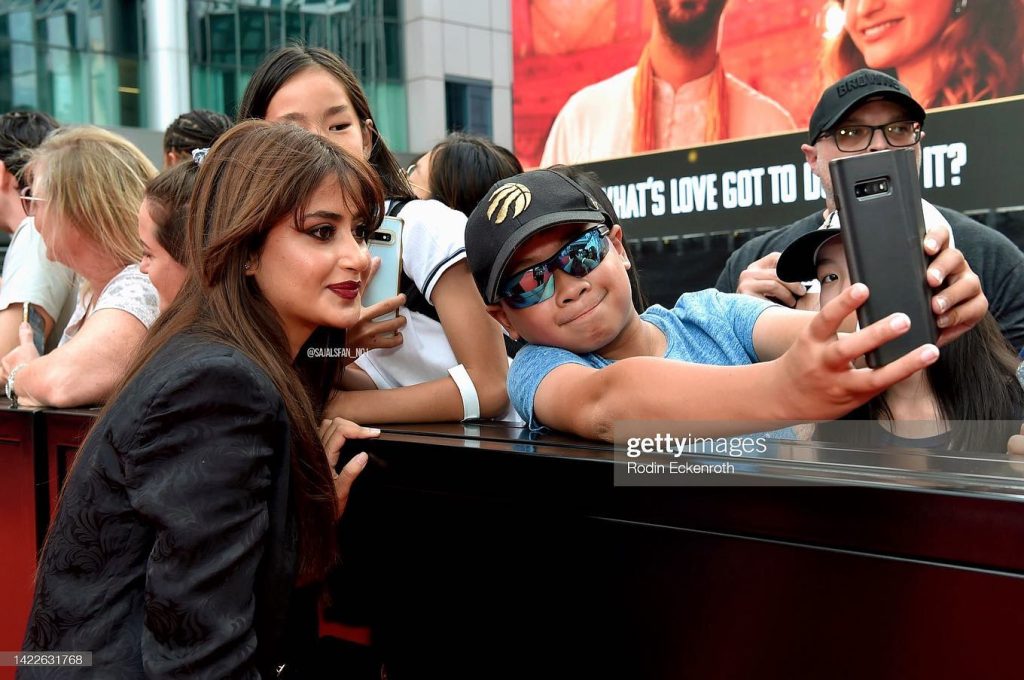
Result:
pixel 695 22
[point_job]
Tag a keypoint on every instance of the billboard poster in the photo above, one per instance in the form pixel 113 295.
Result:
pixel 709 97
pixel 968 161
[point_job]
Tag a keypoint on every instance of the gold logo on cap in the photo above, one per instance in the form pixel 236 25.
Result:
pixel 509 196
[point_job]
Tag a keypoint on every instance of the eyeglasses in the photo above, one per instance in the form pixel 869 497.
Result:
pixel 28 201
pixel 408 173
pixel 537 283
pixel 858 137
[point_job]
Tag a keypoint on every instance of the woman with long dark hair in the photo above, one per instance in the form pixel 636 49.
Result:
pixel 202 496
pixel 443 358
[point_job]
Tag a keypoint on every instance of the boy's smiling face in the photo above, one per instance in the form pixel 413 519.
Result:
pixel 585 314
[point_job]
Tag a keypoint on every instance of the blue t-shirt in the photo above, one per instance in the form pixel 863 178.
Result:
pixel 708 327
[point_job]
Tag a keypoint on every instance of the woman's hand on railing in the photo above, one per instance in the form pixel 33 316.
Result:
pixel 334 433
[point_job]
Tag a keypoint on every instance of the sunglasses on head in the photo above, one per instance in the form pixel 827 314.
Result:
pixel 536 284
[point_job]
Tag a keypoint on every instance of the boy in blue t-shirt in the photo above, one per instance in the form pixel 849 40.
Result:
pixel 550 265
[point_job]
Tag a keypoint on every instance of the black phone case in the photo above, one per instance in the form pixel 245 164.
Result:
pixel 883 234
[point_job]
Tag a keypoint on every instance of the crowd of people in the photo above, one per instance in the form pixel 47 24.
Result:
pixel 213 309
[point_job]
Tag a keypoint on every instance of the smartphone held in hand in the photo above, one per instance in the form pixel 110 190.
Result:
pixel 879 200
pixel 385 243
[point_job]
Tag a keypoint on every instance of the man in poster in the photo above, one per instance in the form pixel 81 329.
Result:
pixel 676 96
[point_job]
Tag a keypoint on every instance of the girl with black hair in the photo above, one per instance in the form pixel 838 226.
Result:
pixel 460 170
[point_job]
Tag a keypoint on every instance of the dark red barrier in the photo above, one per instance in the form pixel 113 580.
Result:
pixel 18 530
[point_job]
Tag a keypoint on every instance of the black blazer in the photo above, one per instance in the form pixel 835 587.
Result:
pixel 173 550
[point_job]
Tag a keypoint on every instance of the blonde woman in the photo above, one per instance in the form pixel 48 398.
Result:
pixel 87 186
pixel 945 51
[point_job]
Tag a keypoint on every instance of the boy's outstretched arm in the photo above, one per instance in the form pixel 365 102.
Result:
pixel 813 380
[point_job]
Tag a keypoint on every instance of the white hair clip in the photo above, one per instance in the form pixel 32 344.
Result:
pixel 198 155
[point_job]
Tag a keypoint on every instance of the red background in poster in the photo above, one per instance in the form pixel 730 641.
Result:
pixel 773 45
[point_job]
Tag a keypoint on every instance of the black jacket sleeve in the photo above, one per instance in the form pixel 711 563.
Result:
pixel 198 470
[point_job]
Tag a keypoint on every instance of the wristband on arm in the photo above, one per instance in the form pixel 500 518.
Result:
pixel 470 400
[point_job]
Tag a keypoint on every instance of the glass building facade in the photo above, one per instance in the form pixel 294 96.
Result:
pixel 228 39
pixel 85 61
pixel 79 60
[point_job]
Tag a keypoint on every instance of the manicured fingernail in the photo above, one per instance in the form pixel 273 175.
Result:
pixel 941 302
pixel 931 244
pixel 899 322
pixel 935 275
pixel 930 353
pixel 859 290
pixel 361 458
pixel 373 431
pixel 942 321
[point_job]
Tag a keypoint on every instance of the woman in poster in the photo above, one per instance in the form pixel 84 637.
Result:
pixel 946 51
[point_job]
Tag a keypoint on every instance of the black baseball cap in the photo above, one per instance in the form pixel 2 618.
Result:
pixel 515 209
pixel 839 98
pixel 799 261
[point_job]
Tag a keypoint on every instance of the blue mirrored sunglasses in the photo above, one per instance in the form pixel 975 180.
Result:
pixel 537 283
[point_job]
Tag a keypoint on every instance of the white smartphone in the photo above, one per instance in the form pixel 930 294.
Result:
pixel 385 243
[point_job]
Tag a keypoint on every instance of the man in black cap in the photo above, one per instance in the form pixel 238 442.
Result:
pixel 864 112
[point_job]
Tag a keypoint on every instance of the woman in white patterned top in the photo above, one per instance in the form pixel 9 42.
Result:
pixel 87 185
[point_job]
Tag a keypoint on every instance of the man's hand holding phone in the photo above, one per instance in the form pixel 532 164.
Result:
pixel 760 280
pixel 959 302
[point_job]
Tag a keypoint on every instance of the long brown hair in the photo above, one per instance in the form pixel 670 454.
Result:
pixel 280 66
pixel 980 54
pixel 257 174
